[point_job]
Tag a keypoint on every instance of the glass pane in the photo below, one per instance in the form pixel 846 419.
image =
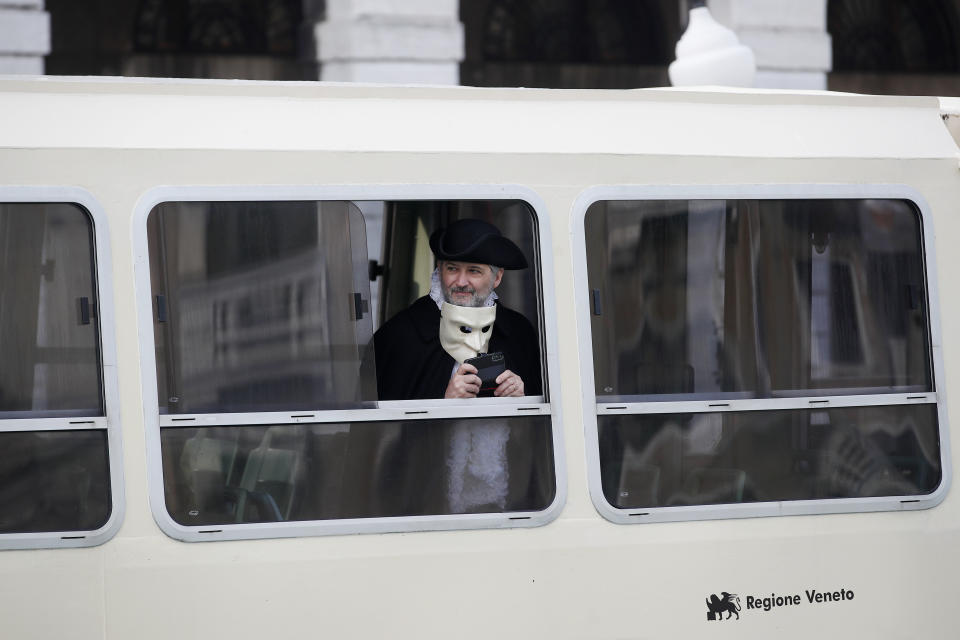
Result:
pixel 54 481
pixel 222 475
pixel 48 306
pixel 258 306
pixel 757 298
pixel 663 460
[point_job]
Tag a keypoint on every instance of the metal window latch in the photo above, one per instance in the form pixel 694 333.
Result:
pixel 360 306
pixel 84 308
pixel 161 308
pixel 597 302
pixel 375 269
pixel 914 297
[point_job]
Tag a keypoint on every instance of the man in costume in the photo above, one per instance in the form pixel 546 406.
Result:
pixel 470 465
pixel 420 352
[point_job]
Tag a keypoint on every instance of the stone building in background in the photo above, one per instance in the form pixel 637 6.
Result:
pixel 871 46
pixel 24 36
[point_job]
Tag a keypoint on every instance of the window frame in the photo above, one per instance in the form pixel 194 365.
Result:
pixel 110 422
pixel 395 410
pixel 592 409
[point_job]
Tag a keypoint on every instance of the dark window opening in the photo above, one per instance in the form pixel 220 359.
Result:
pixel 568 43
pixel 895 47
pixel 218 26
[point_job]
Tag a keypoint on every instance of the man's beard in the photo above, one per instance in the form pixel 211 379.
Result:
pixel 476 300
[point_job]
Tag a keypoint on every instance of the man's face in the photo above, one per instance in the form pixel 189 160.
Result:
pixel 468 284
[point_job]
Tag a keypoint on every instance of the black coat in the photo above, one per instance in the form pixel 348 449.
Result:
pixel 412 364
pixel 402 465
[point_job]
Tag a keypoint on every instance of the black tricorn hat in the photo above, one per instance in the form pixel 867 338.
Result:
pixel 472 240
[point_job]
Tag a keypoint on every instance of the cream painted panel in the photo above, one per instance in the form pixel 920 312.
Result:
pixel 568 580
pixel 52 594
pixel 656 122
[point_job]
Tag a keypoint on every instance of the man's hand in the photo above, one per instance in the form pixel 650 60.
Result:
pixel 465 383
pixel 509 384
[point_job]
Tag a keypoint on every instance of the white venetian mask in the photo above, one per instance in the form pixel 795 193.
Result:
pixel 465 331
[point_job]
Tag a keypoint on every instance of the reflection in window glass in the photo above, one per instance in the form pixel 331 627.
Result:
pixel 223 475
pixel 738 300
pixel 751 298
pixel 51 479
pixel 663 460
pixel 48 328
pixel 258 306
pixel 54 481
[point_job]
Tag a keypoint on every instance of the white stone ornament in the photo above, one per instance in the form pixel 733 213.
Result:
pixel 710 54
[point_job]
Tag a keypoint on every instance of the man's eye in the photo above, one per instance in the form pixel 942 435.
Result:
pixel 485 329
pixel 465 330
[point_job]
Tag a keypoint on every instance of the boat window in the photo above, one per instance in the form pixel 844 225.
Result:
pixel 268 375
pixel 54 472
pixel 760 351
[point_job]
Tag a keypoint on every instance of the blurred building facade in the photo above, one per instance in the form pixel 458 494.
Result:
pixel 870 46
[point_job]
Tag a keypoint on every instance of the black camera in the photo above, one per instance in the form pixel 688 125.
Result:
pixel 489 366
